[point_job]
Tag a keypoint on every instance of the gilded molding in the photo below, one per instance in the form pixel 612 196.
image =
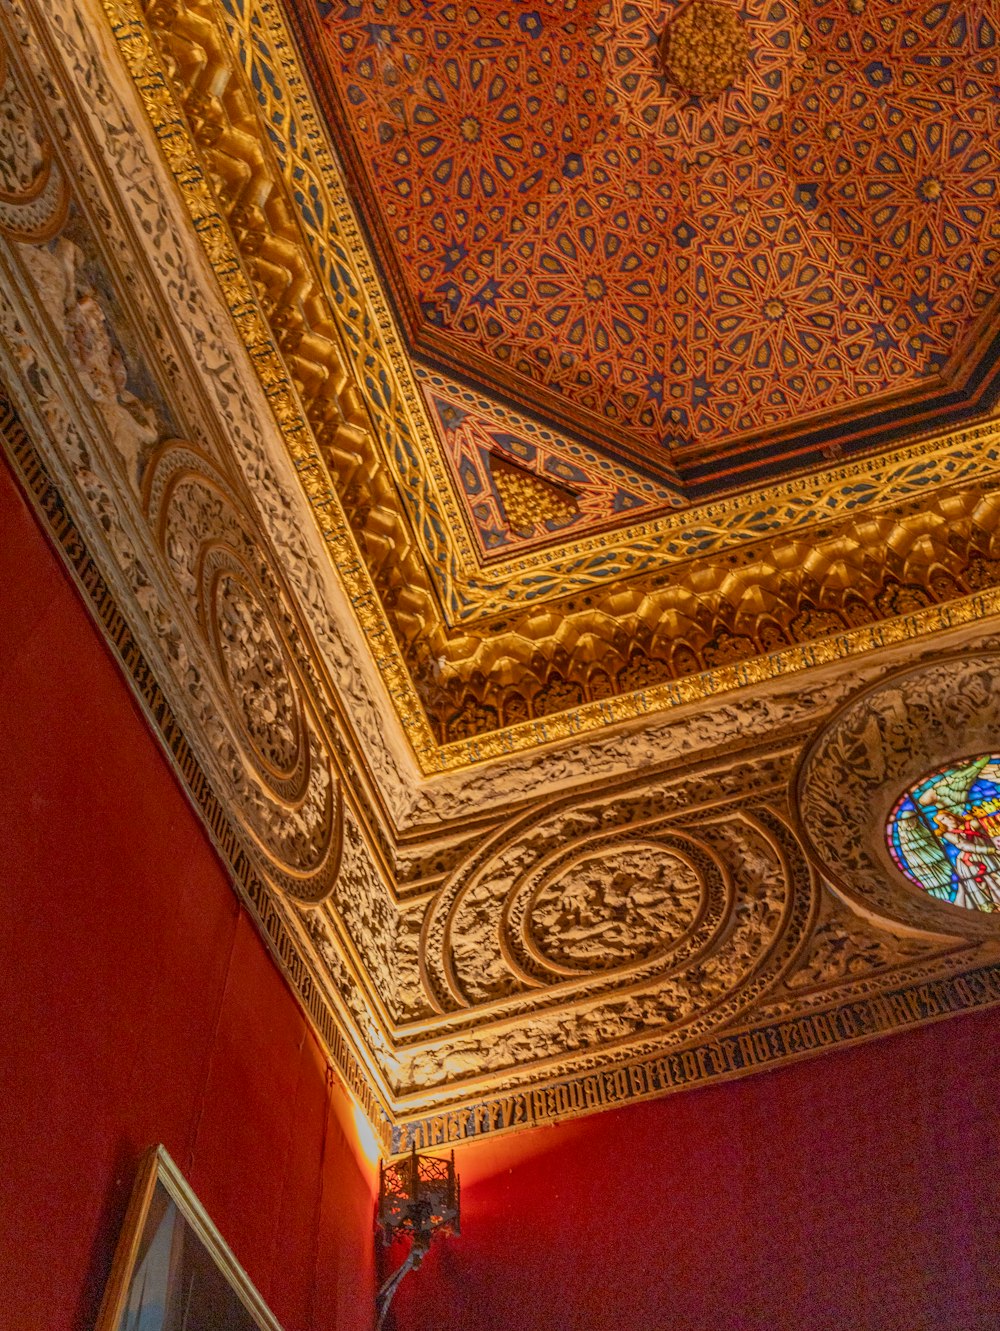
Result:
pixel 134 38
pixel 442 670
pixel 259 41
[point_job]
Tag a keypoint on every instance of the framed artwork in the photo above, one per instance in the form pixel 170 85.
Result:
pixel 172 1271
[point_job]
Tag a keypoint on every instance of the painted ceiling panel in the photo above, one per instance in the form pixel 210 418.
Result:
pixel 717 288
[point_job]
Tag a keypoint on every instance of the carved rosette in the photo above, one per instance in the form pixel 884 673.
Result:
pixel 705 48
pixel 272 749
pixel 873 750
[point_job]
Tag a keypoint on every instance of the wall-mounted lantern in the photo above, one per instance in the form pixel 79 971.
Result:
pixel 418 1197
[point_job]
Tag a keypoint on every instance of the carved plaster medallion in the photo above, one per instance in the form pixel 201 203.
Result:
pixel 876 747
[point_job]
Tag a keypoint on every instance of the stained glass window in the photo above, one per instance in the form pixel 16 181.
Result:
pixel 944 833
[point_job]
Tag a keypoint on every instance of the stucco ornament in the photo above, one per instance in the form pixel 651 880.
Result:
pixel 34 193
pixel 606 909
pixel 566 925
pixel 275 755
pixel 873 750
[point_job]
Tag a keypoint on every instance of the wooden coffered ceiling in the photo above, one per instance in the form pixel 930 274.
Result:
pixel 495 654
pixel 521 825
pixel 716 288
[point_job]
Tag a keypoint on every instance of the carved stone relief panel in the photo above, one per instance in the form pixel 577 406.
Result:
pixel 607 922
pixel 273 764
pixel 275 757
pixel 596 910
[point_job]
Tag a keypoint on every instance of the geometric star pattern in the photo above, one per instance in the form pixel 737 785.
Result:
pixel 483 451
pixel 682 278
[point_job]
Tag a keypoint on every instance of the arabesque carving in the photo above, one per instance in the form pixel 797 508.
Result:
pixel 273 763
pixel 864 760
pixel 291 817
pixel 690 620
pixel 278 765
pixel 602 910
pixel 34 193
pixel 612 922
pixel 845 949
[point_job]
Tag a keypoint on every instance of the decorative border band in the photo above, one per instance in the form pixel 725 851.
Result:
pixel 708 1062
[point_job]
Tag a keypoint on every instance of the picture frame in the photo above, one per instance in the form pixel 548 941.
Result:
pixel 172 1269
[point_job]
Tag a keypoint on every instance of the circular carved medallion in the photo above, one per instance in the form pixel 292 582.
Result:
pixel 256 670
pixel 614 907
pixel 890 800
pixel 266 747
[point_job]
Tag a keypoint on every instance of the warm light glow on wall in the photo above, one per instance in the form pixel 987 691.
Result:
pixel 370 1147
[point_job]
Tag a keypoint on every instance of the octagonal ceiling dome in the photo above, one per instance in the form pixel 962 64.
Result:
pixel 708 285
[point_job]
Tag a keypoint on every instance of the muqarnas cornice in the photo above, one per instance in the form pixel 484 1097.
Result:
pixel 695 603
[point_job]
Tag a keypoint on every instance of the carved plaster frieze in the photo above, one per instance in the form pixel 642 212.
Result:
pixel 599 930
pixel 615 916
pixel 234 652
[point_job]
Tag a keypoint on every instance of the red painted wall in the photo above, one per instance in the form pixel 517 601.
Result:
pixel 860 1190
pixel 137 1003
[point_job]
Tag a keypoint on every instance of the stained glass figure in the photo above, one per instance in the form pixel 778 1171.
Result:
pixel 944 833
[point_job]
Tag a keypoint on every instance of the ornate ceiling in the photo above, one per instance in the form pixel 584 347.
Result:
pixel 493 636
pixel 717 289
pixel 533 830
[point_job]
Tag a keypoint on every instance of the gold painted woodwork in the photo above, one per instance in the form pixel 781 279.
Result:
pixel 529 501
pixel 473 670
pixel 705 47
